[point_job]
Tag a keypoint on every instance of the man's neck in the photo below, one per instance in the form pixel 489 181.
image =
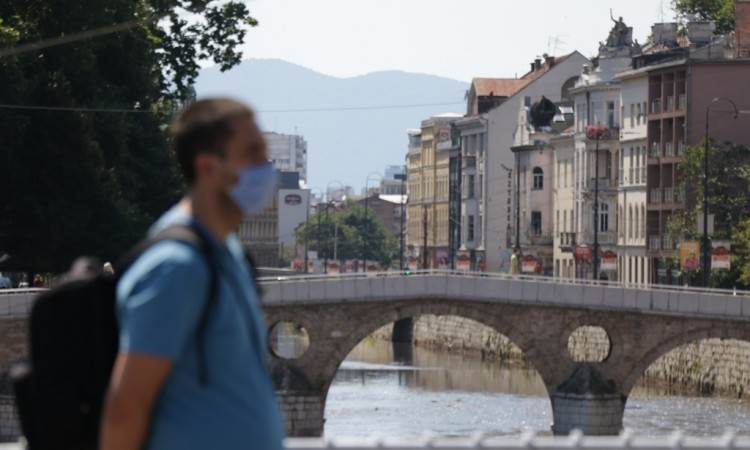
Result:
pixel 211 214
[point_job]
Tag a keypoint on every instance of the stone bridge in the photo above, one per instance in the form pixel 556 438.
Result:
pixel 537 314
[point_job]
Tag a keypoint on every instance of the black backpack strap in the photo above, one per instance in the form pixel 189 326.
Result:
pixel 195 237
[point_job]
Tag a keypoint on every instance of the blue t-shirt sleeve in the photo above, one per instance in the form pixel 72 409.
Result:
pixel 160 299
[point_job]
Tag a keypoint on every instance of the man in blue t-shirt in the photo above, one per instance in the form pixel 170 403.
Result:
pixel 156 399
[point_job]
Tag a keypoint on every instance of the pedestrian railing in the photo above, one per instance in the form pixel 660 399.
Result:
pixel 675 441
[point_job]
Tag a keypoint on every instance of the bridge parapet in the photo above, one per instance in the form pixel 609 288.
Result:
pixel 433 285
pixel 17 302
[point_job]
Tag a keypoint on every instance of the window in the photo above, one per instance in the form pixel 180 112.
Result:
pixel 471 186
pixel 557 220
pixel 632 115
pixel 536 223
pixel 603 217
pixel 538 178
pixel 630 163
pixel 470 233
pixel 565 220
pixel 638 118
pixel 630 222
pixel 611 114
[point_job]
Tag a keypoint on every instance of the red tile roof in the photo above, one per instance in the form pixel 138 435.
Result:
pixel 499 87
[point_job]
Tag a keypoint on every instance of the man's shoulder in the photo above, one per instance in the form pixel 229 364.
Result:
pixel 168 261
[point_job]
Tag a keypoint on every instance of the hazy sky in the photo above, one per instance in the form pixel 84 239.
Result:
pixel 458 39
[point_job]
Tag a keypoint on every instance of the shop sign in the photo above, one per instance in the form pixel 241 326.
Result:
pixel 529 264
pixel 720 255
pixel 583 253
pixel 609 261
pixel 690 255
pixel 463 261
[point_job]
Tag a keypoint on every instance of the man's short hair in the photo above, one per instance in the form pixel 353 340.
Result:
pixel 204 127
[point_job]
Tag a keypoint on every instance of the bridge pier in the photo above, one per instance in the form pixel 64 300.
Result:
pixel 403 331
pixel 303 413
pixel 587 402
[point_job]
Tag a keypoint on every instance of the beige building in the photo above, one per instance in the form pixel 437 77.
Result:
pixel 564 201
pixel 428 176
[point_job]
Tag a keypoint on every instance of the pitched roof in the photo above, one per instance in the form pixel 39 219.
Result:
pixel 499 87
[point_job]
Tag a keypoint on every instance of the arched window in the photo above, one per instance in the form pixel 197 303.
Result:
pixel 603 217
pixel 538 178
pixel 630 222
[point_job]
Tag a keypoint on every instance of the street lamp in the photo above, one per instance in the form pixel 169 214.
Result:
pixel 372 176
pixel 596 132
pixel 402 201
pixel 510 178
pixel 328 204
pixel 307 227
pixel 706 252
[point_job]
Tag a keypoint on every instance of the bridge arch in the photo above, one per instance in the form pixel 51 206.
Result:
pixel 673 342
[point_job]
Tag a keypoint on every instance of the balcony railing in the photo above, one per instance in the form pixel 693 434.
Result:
pixel 654 243
pixel 681 102
pixel 656 106
pixel 654 151
pixel 567 240
pixel 670 103
pixel 667 243
pixel 654 196
pixel 604 183
pixel 668 149
pixel 680 148
pixel 680 195
pixel 669 195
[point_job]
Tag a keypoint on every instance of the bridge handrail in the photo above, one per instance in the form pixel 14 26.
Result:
pixel 538 279
pixel 676 441
pixel 18 291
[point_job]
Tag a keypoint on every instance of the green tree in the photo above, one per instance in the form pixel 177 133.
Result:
pixel 720 11
pixel 728 200
pixel 353 228
pixel 83 182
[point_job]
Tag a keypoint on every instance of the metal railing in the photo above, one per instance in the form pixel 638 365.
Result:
pixel 655 196
pixel 656 106
pixel 668 195
pixel 654 243
pixel 668 149
pixel 681 102
pixel 670 103
pixel 574 441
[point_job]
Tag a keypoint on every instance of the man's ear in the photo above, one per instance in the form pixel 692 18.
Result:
pixel 204 166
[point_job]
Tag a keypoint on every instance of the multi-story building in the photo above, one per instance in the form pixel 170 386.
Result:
pixel 597 102
pixel 394 181
pixel 551 77
pixel 633 264
pixel 564 203
pixel 535 179
pixel 428 211
pixel 288 153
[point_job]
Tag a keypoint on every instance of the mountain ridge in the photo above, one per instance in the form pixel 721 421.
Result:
pixel 344 144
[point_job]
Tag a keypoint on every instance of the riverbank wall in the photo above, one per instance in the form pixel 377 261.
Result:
pixel 708 367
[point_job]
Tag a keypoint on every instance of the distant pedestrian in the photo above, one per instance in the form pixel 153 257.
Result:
pixel 38 281
pixel 172 388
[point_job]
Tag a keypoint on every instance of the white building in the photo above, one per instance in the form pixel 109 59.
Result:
pixel 551 78
pixel 288 153
pixel 564 201
pixel 631 193
pixel 598 101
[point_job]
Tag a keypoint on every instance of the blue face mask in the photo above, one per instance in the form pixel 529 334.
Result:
pixel 254 189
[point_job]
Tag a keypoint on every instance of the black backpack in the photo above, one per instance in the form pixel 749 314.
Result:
pixel 73 344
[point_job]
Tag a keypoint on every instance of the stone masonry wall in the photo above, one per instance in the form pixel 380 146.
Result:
pixel 711 366
pixel 10 429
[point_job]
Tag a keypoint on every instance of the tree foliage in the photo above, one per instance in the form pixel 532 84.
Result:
pixel 355 232
pixel 82 182
pixel 719 11
pixel 728 201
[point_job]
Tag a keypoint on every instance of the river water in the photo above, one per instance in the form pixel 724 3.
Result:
pixel 415 390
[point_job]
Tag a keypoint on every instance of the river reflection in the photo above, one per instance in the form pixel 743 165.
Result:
pixel 404 391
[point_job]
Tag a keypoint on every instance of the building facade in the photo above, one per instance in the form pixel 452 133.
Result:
pixel 551 77
pixel 288 153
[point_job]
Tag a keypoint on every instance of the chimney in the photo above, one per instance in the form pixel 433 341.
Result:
pixel 742 28
pixel 533 66
pixel 549 60
pixel 537 63
pixel 664 33
pixel 700 33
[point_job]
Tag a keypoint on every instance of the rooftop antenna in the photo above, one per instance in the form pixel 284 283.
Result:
pixel 661 11
pixel 554 43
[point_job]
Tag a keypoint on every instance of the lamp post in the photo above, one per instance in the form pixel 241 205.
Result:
pixel 596 132
pixel 328 204
pixel 307 226
pixel 371 176
pixel 706 263
pixel 402 201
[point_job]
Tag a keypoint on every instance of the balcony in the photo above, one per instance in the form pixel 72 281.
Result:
pixel 604 237
pixel 567 241
pixel 654 196
pixel 541 239
pixel 668 195
pixel 654 151
pixel 604 183
pixel 654 243
pixel 668 149
pixel 682 102
pixel 670 104
pixel 680 148
pixel 667 243
pixel 656 106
